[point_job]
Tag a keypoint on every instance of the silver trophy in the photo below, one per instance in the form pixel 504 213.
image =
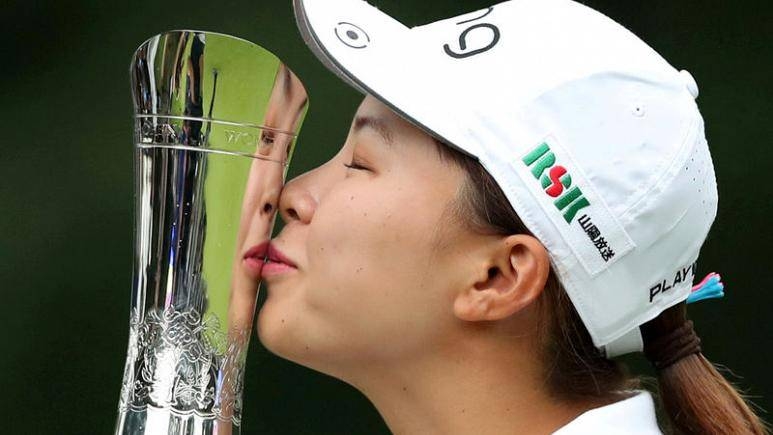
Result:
pixel 216 119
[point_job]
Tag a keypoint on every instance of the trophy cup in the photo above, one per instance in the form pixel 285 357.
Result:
pixel 216 119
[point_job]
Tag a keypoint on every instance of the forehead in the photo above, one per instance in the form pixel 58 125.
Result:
pixel 377 117
pixel 371 106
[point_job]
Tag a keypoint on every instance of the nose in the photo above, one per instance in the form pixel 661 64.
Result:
pixel 264 187
pixel 302 195
pixel 269 201
pixel 296 202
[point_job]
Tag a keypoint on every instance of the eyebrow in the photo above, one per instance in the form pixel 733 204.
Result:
pixel 377 124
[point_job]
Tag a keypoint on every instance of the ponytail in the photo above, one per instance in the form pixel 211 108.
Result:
pixel 696 397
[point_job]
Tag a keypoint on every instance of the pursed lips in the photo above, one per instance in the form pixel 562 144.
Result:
pixel 277 262
pixel 274 255
pixel 254 259
pixel 257 252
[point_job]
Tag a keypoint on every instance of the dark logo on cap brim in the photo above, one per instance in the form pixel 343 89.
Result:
pixel 463 51
pixel 352 35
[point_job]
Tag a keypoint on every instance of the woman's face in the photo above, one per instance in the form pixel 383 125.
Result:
pixel 378 253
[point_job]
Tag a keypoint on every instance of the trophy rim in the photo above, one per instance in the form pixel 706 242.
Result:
pixel 238 38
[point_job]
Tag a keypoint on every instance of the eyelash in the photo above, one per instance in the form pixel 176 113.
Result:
pixel 356 166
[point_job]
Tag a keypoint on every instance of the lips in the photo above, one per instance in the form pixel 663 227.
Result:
pixel 277 263
pixel 258 251
pixel 253 259
pixel 266 260
pixel 276 256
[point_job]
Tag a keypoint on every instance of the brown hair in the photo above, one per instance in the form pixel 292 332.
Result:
pixel 697 399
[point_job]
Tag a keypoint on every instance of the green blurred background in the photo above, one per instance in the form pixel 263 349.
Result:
pixel 67 187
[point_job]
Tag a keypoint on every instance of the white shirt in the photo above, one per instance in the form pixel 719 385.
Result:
pixel 635 415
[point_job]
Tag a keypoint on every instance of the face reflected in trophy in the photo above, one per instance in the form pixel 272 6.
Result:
pixel 283 114
pixel 215 127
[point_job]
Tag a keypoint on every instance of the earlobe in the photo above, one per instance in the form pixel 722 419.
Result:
pixel 511 278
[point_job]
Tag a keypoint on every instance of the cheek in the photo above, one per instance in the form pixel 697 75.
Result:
pixel 359 239
pixel 371 275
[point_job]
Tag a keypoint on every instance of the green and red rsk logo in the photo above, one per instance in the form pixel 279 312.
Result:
pixel 556 181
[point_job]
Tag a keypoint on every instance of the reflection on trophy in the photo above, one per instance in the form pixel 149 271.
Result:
pixel 215 127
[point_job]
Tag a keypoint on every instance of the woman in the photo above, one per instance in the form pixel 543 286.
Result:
pixel 521 197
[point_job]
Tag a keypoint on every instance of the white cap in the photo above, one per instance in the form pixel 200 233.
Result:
pixel 595 139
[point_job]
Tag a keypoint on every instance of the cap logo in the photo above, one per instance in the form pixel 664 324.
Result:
pixel 555 180
pixel 592 232
pixel 352 35
pixel 463 53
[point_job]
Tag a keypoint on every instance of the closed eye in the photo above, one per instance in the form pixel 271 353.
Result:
pixel 356 166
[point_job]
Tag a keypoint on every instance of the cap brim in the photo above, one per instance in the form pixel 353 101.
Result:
pixel 377 55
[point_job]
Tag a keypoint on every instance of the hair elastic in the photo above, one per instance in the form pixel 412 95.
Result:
pixel 670 348
pixel 711 287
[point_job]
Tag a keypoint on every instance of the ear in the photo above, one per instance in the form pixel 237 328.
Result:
pixel 511 276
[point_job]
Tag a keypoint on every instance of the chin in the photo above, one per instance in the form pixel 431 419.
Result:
pixel 272 330
pixel 280 333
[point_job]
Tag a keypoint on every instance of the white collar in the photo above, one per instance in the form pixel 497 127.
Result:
pixel 635 415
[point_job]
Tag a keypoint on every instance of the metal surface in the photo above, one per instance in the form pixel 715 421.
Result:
pixel 215 127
